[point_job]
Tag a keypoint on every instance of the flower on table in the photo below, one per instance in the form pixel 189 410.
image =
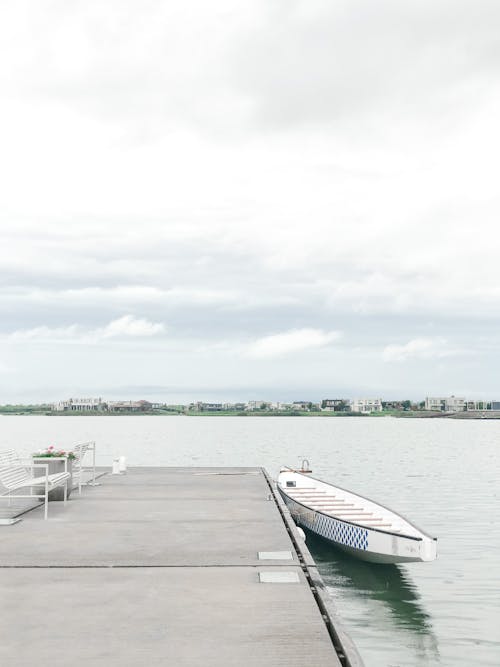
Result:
pixel 52 452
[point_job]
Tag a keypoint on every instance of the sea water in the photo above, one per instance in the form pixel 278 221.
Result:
pixel 443 475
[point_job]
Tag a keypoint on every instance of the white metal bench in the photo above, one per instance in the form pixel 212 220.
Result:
pixel 80 451
pixel 17 474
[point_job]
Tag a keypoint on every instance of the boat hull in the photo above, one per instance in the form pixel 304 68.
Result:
pixel 361 542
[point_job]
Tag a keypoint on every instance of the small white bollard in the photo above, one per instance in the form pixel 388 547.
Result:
pixel 116 467
pixel 123 464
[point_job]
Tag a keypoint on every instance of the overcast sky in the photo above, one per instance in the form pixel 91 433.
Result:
pixel 277 199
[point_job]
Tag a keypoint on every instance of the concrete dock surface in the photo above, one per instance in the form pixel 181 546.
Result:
pixel 161 567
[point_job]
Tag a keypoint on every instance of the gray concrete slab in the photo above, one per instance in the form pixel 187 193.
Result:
pixel 158 567
pixel 142 616
pixel 153 517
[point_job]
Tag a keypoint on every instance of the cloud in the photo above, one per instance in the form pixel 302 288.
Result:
pixel 130 326
pixel 288 342
pixel 246 168
pixel 420 348
pixel 44 333
pixel 123 327
pixel 330 62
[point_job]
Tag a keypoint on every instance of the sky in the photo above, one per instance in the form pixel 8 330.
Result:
pixel 274 200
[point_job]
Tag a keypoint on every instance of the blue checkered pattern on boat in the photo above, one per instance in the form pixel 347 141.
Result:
pixel 332 529
pixel 341 532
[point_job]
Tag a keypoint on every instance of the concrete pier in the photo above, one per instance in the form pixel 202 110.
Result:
pixel 161 566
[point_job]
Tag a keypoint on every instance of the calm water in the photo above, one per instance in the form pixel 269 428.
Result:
pixel 444 475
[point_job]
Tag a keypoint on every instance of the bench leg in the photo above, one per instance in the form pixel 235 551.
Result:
pixel 65 491
pixel 46 499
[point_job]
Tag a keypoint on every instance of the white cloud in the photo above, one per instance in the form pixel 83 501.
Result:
pixel 44 333
pixel 130 326
pixel 123 327
pixel 420 348
pixel 288 342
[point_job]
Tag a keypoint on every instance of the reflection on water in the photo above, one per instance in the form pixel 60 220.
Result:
pixel 387 588
pixel 389 584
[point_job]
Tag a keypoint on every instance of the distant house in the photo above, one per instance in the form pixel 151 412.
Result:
pixel 455 404
pixel 199 406
pixel 479 405
pixel 129 406
pixel 303 406
pixel 79 405
pixel 392 405
pixel 258 405
pixel 236 407
pixel 443 404
pixel 366 405
pixel 399 405
pixel 335 405
pixel 436 404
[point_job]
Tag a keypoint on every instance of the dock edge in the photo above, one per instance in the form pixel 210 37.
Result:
pixel 343 644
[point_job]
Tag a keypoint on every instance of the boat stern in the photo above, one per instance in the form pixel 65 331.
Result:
pixel 428 549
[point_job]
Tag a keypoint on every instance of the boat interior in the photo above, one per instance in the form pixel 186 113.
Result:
pixel 343 505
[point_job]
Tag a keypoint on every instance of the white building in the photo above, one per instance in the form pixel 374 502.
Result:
pixel 79 405
pixel 283 406
pixel 257 405
pixel 366 405
pixel 445 404
pixel 434 403
pixel 455 404
pixel 473 405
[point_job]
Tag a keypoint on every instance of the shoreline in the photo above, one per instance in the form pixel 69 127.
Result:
pixel 260 415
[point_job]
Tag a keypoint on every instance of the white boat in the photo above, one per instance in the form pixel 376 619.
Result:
pixel 351 522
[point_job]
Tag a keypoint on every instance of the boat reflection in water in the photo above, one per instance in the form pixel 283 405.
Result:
pixel 380 587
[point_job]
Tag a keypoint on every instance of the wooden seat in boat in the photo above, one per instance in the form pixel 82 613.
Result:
pixel 336 507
